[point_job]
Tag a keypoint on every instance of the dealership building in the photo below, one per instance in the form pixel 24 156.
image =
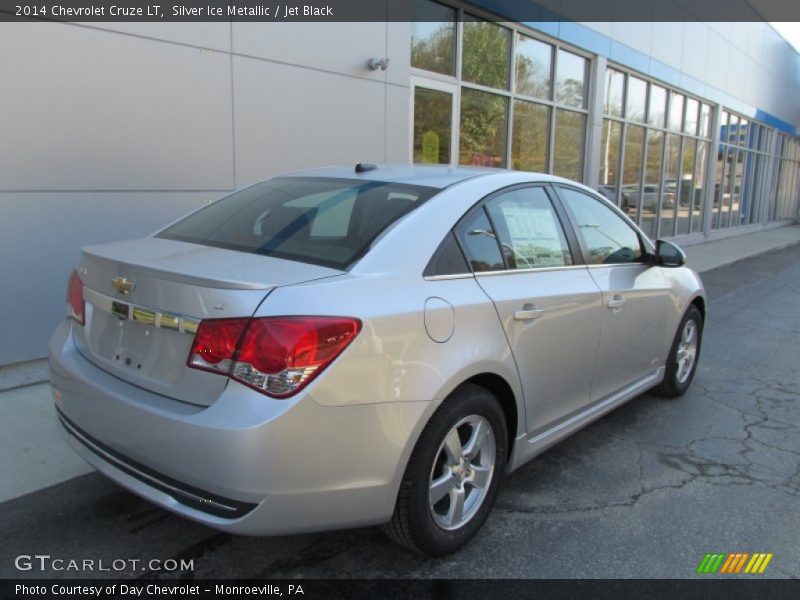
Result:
pixel 112 130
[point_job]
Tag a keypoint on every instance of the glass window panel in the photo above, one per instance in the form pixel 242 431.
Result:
pixel 686 187
pixel 747 186
pixel 534 68
pixel 568 144
pixel 761 185
pixel 529 230
pixel 699 192
pixel 755 137
pixel 608 238
pixel 733 129
pixel 672 156
pixel 658 106
pixel 615 86
pixel 529 136
pixel 635 101
pixel 723 126
pixel 651 193
pixel 632 168
pixel 609 159
pixel 447 260
pixel 675 111
pixel 571 78
pixel 433 37
pixel 483 129
pixel 486 56
pixel 479 242
pixel 729 153
pixel 737 185
pixel 744 127
pixel 692 107
pixel 705 120
pixel 305 219
pixel 432 125
pixel 718 191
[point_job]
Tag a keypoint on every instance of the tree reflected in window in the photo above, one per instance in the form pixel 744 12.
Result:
pixel 483 128
pixel 487 52
pixel 433 37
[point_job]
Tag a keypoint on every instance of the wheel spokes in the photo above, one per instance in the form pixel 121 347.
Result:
pixel 452 447
pixel 688 333
pixel 475 441
pixel 441 487
pixel 687 351
pixel 480 476
pixel 456 510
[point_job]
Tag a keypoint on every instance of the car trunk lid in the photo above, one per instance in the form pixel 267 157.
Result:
pixel 145 299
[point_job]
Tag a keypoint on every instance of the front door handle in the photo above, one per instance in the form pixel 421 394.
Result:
pixel 616 302
pixel 528 313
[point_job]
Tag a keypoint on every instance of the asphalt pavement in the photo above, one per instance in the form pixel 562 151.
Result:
pixel 644 492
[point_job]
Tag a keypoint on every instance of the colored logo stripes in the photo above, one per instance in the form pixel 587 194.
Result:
pixel 735 562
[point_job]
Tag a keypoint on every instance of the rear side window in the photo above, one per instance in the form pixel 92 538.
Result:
pixel 447 260
pixel 477 237
pixel 324 221
pixel 607 237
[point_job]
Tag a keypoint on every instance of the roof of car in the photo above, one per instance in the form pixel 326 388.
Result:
pixel 436 176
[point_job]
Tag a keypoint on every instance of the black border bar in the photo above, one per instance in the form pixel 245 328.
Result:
pixel 389 589
pixel 187 11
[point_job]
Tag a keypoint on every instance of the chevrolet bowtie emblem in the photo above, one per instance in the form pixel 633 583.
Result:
pixel 122 285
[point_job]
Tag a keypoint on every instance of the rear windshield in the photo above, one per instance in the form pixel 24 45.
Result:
pixel 329 222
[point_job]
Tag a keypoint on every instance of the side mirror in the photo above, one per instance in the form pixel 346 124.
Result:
pixel 669 255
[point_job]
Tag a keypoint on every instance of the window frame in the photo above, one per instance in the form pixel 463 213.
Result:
pixel 700 136
pixel 425 78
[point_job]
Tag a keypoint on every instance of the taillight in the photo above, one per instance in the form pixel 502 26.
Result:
pixel 277 356
pixel 76 308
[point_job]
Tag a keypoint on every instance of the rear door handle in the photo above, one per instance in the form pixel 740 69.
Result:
pixel 528 314
pixel 616 302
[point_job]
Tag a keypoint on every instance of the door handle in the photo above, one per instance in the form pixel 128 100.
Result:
pixel 528 314
pixel 616 302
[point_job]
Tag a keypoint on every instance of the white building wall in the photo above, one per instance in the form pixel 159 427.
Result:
pixel 111 131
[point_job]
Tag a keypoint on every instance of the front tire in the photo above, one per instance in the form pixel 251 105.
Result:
pixel 453 475
pixel 683 355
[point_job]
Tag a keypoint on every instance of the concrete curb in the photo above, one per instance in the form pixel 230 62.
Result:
pixel 760 253
pixel 23 374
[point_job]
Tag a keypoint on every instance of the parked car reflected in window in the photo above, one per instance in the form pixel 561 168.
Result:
pixel 607 237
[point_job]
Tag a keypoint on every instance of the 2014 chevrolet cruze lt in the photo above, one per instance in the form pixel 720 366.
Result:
pixel 379 345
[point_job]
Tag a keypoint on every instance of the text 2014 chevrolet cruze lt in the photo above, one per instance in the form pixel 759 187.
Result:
pixel 380 345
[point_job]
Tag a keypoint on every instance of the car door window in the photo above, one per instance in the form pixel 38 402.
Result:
pixel 478 239
pixel 529 230
pixel 608 239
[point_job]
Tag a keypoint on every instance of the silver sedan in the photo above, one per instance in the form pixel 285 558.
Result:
pixel 366 346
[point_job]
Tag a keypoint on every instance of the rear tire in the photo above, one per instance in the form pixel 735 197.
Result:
pixel 453 475
pixel 683 355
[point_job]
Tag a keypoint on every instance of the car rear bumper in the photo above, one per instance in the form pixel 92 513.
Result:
pixel 247 464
